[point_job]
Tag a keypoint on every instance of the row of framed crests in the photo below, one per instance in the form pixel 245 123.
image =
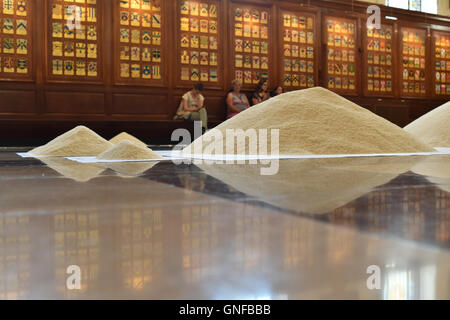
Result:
pixel 386 64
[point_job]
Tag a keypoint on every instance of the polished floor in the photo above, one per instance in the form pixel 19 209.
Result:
pixel 197 231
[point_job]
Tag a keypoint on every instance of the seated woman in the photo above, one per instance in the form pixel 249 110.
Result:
pixel 192 106
pixel 277 91
pixel 236 101
pixel 261 93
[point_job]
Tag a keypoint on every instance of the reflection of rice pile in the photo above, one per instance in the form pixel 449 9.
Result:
pixel 130 169
pixel 433 128
pixel 125 136
pixel 80 141
pixel 436 170
pixel 315 121
pixel 311 186
pixel 80 172
pixel 127 150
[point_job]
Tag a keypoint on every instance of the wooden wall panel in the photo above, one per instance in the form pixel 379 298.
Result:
pixel 379 60
pixel 74 46
pixel 441 63
pixel 109 104
pixel 342 61
pixel 251 26
pixel 414 60
pixel 16 45
pixel 139 43
pixel 216 108
pixel 74 103
pixel 13 101
pixel 200 40
pixel 299 46
pixel 143 104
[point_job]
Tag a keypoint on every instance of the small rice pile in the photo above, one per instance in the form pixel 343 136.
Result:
pixel 311 121
pixel 127 150
pixel 433 128
pixel 125 136
pixel 80 141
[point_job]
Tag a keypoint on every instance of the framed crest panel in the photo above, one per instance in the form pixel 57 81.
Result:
pixel 199 42
pixel 413 62
pixel 74 35
pixel 299 50
pixel 379 60
pixel 251 43
pixel 341 56
pixel 441 63
pixel 139 37
pixel 16 40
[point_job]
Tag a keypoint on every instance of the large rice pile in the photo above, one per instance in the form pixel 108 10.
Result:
pixel 314 121
pixel 127 150
pixel 433 128
pixel 80 141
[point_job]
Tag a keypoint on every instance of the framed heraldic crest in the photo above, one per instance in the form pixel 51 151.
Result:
pixel 16 40
pixel 441 63
pixel 379 60
pixel 199 43
pixel 299 50
pixel 341 55
pixel 139 34
pixel 413 62
pixel 74 40
pixel 250 44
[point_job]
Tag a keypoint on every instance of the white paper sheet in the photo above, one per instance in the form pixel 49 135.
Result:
pixel 169 155
pixel 95 160
pixel 27 155
pixel 163 153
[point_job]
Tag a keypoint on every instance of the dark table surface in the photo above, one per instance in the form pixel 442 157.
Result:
pixel 161 230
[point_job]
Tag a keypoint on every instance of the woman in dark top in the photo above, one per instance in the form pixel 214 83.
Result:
pixel 261 94
pixel 236 101
pixel 277 91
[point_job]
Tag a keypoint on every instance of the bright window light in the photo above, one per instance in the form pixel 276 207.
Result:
pixel 428 6
pixel 402 4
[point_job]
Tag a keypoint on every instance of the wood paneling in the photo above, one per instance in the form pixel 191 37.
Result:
pixel 44 105
pixel 342 73
pixel 216 108
pixel 75 103
pixel 139 104
pixel 13 101
pixel 16 45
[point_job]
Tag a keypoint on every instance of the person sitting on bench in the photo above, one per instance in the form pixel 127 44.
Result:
pixel 192 106
pixel 236 101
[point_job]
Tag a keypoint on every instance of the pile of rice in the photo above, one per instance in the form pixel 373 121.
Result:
pixel 433 128
pixel 80 141
pixel 311 121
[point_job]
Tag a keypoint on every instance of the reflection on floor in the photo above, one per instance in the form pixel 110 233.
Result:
pixel 225 231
